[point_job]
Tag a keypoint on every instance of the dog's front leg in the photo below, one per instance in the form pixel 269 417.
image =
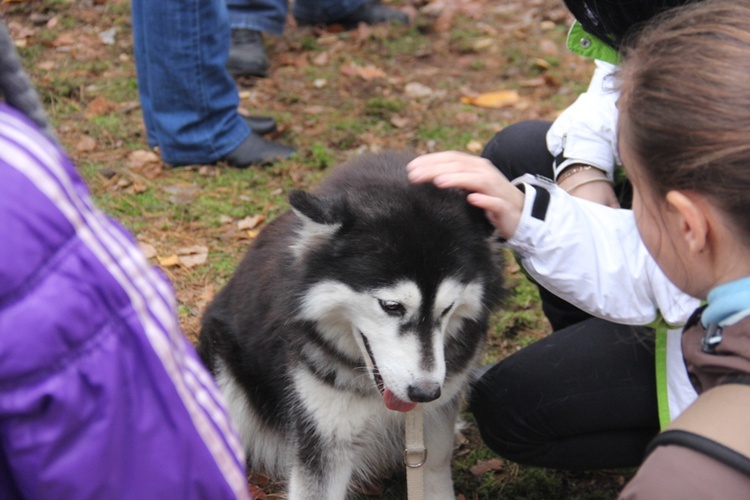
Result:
pixel 321 470
pixel 439 435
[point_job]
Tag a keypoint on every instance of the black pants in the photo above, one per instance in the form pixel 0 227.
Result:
pixel 582 398
pixel 585 396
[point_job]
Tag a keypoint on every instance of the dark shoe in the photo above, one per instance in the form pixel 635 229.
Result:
pixel 370 12
pixel 247 55
pixel 261 125
pixel 256 150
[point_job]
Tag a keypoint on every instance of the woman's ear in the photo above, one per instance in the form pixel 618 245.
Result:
pixel 693 222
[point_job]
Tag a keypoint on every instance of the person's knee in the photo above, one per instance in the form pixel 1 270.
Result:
pixel 497 403
pixel 520 148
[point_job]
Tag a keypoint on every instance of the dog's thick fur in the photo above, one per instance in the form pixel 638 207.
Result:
pixel 369 294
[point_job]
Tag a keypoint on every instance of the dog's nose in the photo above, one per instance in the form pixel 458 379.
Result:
pixel 424 392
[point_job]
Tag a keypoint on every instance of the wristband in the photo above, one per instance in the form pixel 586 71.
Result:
pixel 587 181
pixel 573 170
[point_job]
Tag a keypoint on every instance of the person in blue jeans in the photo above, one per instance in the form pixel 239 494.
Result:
pixel 248 18
pixel 189 101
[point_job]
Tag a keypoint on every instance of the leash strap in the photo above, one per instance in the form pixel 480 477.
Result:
pixel 415 454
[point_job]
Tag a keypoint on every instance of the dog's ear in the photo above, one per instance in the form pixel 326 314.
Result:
pixel 322 217
pixel 328 210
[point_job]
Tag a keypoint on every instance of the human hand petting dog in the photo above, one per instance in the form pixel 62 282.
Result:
pixel 488 189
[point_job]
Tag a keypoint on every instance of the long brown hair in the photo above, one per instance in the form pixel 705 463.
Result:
pixel 685 98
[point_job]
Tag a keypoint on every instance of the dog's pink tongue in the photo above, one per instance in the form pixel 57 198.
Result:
pixel 395 404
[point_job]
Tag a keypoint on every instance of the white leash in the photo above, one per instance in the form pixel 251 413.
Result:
pixel 415 454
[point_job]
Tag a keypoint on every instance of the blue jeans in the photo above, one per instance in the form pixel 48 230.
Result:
pixel 269 16
pixel 189 101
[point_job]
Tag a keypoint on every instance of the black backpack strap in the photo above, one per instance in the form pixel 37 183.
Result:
pixel 702 445
pixel 715 425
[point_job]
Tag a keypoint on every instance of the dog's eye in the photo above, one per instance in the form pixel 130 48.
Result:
pixel 392 308
pixel 446 311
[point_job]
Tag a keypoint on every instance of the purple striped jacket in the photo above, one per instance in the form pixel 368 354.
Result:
pixel 101 396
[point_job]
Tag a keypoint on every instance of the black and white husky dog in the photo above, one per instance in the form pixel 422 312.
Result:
pixel 369 296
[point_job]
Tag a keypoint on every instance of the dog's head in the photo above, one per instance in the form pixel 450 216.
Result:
pixel 394 273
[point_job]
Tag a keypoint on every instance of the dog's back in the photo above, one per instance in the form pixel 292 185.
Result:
pixel 370 295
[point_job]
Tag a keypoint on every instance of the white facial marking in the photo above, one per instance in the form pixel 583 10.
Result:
pixel 346 315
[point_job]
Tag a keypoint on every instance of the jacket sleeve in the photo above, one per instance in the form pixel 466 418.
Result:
pixel 586 131
pixel 593 257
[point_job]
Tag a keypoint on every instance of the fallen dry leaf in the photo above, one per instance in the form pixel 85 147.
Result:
pixel 139 158
pixel 64 40
pixel 171 261
pixel 483 43
pixel 98 107
pixel 209 171
pixel 296 61
pixel 474 146
pixel 192 256
pixel 416 90
pixel 86 144
pixel 192 249
pixel 19 31
pixel 46 65
pixel 148 249
pixel 321 59
pixel 466 118
pixel 366 73
pixel 399 121
pixel 123 183
pixel 549 47
pixel 137 188
pixel 534 82
pixel 484 466
pixel 541 63
pixel 146 163
pixel 547 25
pixel 499 99
pixel 108 36
pixel 251 222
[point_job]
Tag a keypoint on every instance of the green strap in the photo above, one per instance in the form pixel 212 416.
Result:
pixel 583 43
pixel 662 393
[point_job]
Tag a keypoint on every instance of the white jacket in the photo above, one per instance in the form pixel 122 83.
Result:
pixel 593 257
pixel 586 131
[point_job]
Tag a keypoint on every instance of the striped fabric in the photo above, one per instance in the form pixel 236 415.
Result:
pixel 100 393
